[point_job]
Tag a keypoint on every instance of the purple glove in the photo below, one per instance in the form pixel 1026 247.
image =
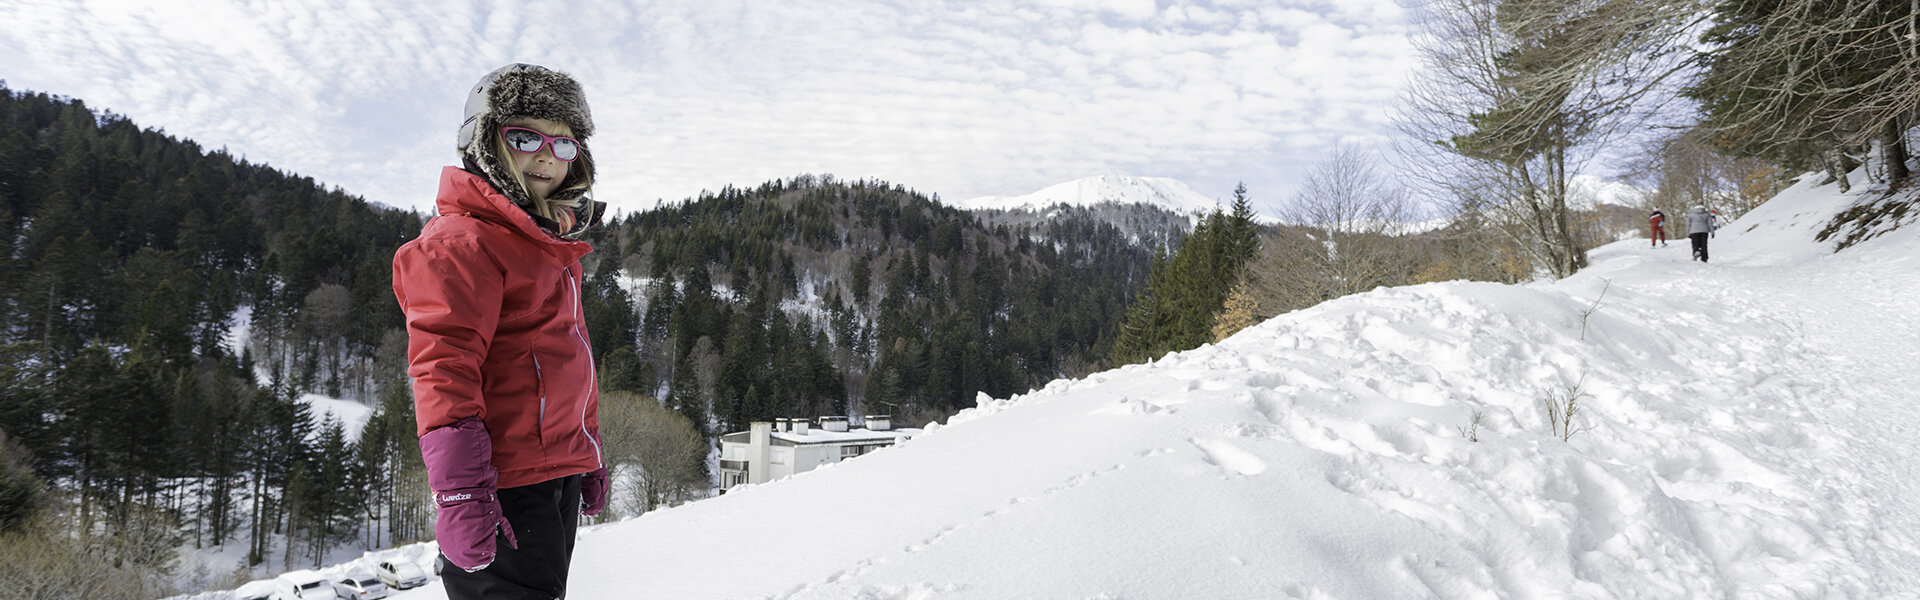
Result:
pixel 593 492
pixel 460 470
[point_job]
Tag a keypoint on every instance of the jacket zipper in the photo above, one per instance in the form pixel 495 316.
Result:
pixel 539 374
pixel 593 382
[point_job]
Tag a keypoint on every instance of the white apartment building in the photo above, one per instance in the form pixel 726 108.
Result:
pixel 769 451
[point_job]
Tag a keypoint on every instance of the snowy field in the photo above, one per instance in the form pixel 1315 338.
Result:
pixel 1746 429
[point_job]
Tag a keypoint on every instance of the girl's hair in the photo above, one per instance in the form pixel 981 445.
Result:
pixel 546 208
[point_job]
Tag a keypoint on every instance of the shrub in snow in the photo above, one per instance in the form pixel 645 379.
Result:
pixel 1563 407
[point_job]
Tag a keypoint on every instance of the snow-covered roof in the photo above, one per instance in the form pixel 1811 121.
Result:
pixel 820 436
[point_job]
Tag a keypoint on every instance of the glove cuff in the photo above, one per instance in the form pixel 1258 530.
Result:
pixel 444 499
pixel 459 456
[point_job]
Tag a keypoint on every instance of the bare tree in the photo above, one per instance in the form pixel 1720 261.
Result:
pixel 45 560
pixel 658 456
pixel 1238 312
pixel 1682 169
pixel 325 314
pixel 1340 238
pixel 1516 95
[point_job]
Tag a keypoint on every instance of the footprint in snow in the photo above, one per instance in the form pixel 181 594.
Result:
pixel 1230 457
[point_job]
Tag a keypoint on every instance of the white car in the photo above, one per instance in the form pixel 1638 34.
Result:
pixel 255 590
pixel 303 585
pixel 360 587
pixel 401 574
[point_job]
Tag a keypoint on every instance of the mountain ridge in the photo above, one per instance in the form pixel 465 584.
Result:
pixel 1162 192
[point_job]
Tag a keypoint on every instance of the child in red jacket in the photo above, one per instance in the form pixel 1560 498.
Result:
pixel 503 375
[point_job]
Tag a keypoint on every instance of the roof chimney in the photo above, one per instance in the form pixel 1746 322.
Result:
pixel 833 423
pixel 759 451
pixel 782 424
pixel 800 426
pixel 879 422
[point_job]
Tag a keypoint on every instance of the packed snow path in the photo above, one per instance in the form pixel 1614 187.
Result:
pixel 1746 431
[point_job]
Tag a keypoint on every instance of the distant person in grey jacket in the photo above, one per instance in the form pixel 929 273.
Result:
pixel 1700 226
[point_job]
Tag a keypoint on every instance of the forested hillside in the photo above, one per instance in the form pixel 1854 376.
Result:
pixel 126 254
pixel 814 296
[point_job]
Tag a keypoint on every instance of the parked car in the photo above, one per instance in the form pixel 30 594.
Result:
pixel 401 574
pixel 303 585
pixel 360 587
pixel 255 590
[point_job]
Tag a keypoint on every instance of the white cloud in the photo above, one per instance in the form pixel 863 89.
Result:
pixel 960 98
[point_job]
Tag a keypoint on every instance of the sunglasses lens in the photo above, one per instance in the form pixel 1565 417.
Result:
pixel 523 140
pixel 566 149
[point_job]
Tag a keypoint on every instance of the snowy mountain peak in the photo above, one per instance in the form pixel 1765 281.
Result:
pixel 1170 194
pixel 1587 192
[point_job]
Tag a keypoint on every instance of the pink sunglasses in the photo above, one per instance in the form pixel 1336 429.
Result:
pixel 529 141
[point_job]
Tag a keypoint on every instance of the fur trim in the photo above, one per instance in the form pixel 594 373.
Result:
pixel 531 91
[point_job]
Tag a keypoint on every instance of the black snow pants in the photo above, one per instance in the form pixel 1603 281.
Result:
pixel 1699 246
pixel 544 517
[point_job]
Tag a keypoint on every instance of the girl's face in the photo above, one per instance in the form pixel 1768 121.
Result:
pixel 541 170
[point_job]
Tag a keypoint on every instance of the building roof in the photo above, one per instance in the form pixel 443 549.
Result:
pixel 819 436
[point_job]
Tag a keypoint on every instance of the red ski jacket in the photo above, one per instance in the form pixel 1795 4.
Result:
pixel 495 331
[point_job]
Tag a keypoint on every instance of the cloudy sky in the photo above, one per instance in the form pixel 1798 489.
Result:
pixel 960 98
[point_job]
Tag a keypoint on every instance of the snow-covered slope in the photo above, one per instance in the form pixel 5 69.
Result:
pixel 1744 431
pixel 1739 438
pixel 1162 192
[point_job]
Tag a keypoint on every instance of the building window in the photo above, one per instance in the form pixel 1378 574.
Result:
pixel 847 452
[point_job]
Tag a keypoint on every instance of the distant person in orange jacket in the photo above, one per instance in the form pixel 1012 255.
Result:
pixel 1658 221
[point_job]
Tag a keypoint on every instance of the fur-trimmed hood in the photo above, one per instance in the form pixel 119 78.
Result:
pixel 523 90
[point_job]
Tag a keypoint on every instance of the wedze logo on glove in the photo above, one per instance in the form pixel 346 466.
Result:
pixel 445 499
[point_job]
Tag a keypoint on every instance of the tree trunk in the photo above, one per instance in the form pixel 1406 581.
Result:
pixel 1833 164
pixel 1893 148
pixel 1563 251
pixel 258 552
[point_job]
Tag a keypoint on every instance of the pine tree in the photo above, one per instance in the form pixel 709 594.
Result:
pixel 22 495
pixel 389 456
pixel 221 432
pixel 863 277
pixel 611 316
pixel 685 398
pixel 277 444
pixel 1143 325
pixel 1176 310
pixel 327 491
